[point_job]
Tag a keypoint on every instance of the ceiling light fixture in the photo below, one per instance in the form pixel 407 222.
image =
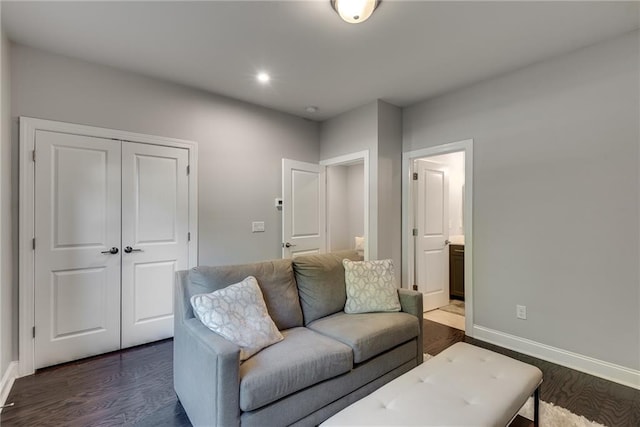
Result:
pixel 263 77
pixel 355 11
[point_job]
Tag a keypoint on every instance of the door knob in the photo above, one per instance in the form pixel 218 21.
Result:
pixel 446 242
pixel 111 251
pixel 129 249
pixel 288 245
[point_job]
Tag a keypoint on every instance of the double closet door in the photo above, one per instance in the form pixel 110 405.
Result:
pixel 111 229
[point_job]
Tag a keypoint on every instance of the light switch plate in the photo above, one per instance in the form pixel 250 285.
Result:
pixel 257 226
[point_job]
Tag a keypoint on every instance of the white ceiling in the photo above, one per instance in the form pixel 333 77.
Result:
pixel 406 52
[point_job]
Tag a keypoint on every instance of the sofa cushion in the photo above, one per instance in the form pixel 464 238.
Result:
pixel 275 279
pixel 321 285
pixel 370 286
pixel 302 359
pixel 239 314
pixel 368 334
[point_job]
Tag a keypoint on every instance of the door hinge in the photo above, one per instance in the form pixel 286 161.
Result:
pixel 188 169
pixel 33 243
pixel 414 232
pixel 33 332
pixel 189 237
pixel 33 155
pixel 415 176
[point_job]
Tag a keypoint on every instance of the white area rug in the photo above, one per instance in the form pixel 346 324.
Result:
pixel 556 416
pixel 550 414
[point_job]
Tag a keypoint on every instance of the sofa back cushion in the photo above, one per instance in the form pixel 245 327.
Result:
pixel 275 279
pixel 321 285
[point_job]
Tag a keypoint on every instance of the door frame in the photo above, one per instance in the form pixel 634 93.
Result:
pixel 345 160
pixel 26 229
pixel 408 215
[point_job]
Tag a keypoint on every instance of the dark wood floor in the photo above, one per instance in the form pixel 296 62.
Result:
pixel 134 387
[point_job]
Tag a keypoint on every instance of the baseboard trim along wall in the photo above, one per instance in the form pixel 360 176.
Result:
pixel 7 382
pixel 609 371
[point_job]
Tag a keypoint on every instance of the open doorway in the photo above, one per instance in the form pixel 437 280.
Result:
pixel 437 231
pixel 439 221
pixel 347 201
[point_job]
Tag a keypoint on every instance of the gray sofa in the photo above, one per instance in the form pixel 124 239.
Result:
pixel 327 360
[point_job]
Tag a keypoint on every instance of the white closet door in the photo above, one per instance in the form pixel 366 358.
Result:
pixel 155 223
pixel 77 222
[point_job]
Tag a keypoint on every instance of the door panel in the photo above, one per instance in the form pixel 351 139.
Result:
pixel 303 213
pixel 77 218
pixel 432 215
pixel 154 224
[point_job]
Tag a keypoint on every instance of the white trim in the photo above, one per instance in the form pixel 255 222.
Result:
pixel 407 218
pixel 349 158
pixel 6 383
pixel 28 128
pixel 600 368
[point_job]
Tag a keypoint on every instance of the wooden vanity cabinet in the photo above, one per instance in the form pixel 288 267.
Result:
pixel 456 271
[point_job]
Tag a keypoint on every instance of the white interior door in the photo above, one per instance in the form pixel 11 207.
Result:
pixel 432 240
pixel 155 222
pixel 303 211
pixel 77 223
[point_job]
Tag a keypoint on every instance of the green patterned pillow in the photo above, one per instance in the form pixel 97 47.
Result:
pixel 239 314
pixel 370 286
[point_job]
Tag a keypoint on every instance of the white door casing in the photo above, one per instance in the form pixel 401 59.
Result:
pixel 303 210
pixel 154 238
pixel 432 240
pixel 77 222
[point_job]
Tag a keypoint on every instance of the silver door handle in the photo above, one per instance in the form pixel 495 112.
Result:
pixel 111 251
pixel 287 245
pixel 129 249
pixel 446 242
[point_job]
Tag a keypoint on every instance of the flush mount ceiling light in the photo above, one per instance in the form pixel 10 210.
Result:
pixel 355 11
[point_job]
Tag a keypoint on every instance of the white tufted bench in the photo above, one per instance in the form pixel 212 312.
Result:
pixel 464 385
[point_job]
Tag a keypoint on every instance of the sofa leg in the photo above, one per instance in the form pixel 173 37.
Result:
pixel 536 407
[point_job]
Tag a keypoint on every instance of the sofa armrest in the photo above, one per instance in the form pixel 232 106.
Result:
pixel 206 374
pixel 411 302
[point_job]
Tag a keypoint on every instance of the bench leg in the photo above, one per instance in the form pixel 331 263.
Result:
pixel 536 407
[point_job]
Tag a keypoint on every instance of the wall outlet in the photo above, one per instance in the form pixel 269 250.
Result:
pixel 257 226
pixel 521 312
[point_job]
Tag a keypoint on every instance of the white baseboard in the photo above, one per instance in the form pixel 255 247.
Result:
pixel 599 368
pixel 7 381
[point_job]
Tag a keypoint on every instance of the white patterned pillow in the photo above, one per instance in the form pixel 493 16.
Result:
pixel 370 286
pixel 238 313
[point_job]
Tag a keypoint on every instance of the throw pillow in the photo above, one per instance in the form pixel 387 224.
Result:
pixel 239 314
pixel 370 286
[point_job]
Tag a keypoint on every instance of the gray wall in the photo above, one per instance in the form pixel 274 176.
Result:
pixel 240 145
pixel 390 185
pixel 8 343
pixel 355 201
pixel 376 127
pixel 556 192
pixel 350 132
pixel 337 208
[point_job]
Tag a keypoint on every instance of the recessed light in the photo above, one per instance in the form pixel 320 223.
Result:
pixel 263 77
pixel 311 109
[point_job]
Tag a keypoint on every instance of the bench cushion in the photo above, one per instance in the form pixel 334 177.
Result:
pixel 302 359
pixel 368 334
pixel 464 385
